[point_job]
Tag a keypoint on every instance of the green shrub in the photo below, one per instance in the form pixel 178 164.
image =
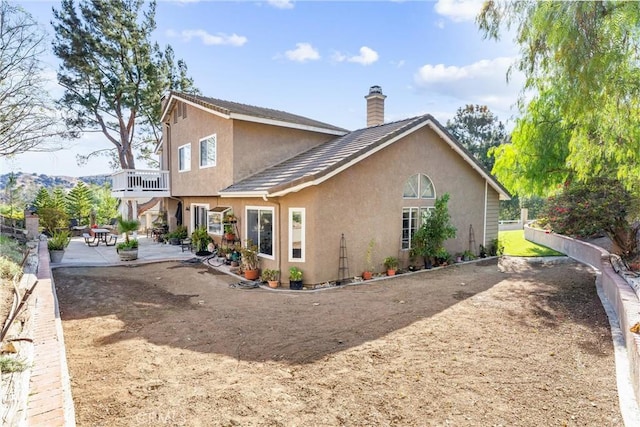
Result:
pixel 58 241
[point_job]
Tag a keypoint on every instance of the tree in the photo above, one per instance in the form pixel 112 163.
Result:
pixel 478 130
pixel 112 73
pixel 43 199
pixel 106 206
pixel 80 203
pixel 28 118
pixel 581 62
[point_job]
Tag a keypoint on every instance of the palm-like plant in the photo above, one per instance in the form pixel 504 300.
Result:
pixel 128 226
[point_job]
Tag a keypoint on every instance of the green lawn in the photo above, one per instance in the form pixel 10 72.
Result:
pixel 516 245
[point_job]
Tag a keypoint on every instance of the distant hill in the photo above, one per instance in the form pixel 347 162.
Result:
pixel 30 183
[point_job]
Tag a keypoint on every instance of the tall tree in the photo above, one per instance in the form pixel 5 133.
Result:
pixel 29 120
pixel 112 73
pixel 43 199
pixel 582 65
pixel 80 203
pixel 478 130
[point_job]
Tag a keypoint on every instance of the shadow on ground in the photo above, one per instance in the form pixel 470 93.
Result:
pixel 193 307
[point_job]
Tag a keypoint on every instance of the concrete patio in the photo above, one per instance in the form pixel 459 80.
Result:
pixel 78 254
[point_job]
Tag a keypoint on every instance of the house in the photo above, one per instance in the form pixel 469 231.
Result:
pixel 314 195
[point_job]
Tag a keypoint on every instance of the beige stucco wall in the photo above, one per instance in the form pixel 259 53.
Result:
pixel 243 148
pixel 365 202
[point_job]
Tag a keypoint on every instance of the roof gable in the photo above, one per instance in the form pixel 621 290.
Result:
pixel 326 160
pixel 238 111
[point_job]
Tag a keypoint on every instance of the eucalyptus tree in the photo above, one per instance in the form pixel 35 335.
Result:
pixel 581 100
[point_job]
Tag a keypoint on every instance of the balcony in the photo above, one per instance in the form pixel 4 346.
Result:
pixel 138 183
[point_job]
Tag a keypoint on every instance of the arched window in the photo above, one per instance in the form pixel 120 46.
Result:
pixel 418 186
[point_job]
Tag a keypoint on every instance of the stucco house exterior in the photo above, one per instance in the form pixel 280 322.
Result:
pixel 309 193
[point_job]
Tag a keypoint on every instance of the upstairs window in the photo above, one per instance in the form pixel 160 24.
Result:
pixel 184 158
pixel 208 147
pixel 418 186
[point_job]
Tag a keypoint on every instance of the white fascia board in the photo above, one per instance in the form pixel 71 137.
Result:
pixel 470 161
pixel 244 194
pixel 347 165
pixel 281 123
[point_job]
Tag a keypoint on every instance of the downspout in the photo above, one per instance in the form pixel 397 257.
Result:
pixel 264 197
pixel 484 220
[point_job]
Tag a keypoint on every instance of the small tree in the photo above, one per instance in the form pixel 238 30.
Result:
pixel 428 240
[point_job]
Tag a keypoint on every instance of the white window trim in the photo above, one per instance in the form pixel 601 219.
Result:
pixel 274 230
pixel 420 222
pixel 215 161
pixel 187 163
pixel 303 233
pixel 419 192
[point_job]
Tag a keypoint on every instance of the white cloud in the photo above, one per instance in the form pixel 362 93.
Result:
pixel 459 10
pixel 481 82
pixel 281 4
pixel 367 56
pixel 209 39
pixel 302 53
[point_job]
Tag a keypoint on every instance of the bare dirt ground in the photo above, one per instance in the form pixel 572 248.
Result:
pixel 468 345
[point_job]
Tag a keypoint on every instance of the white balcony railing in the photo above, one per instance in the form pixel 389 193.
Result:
pixel 137 183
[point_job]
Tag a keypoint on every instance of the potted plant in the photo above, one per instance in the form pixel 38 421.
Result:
pixel 368 273
pixel 468 255
pixel 391 264
pixel 127 250
pixel 271 277
pixel 295 278
pixel 176 236
pixel 56 244
pixel 249 260
pixel 229 233
pixel 200 240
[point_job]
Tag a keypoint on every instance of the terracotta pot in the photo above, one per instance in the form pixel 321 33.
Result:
pixel 367 275
pixel 273 283
pixel 391 272
pixel 230 236
pixel 251 274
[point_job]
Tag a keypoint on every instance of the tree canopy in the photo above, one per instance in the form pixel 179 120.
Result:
pixel 29 120
pixel 581 63
pixel 113 75
pixel 478 130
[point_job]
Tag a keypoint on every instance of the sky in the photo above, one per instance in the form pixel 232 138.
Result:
pixel 317 59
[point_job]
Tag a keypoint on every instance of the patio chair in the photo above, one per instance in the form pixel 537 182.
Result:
pixel 186 244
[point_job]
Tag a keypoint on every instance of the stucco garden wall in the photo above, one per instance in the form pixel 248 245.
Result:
pixel 619 293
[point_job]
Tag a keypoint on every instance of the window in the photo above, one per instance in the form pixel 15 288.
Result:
pixel 215 223
pixel 215 219
pixel 412 219
pixel 418 186
pixel 297 225
pixel 208 151
pixel 184 158
pixel 260 229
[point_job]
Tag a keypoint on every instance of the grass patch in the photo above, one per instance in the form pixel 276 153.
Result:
pixel 516 245
pixel 9 364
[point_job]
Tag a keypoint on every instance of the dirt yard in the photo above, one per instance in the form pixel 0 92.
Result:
pixel 470 345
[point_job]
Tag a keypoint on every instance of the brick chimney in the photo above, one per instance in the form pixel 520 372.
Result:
pixel 375 106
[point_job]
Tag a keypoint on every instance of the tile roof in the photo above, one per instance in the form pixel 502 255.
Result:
pixel 322 159
pixel 230 108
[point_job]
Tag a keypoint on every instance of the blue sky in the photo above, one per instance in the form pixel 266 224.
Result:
pixel 318 59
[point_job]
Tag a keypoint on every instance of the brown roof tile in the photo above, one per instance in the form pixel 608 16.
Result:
pixel 229 107
pixel 322 159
